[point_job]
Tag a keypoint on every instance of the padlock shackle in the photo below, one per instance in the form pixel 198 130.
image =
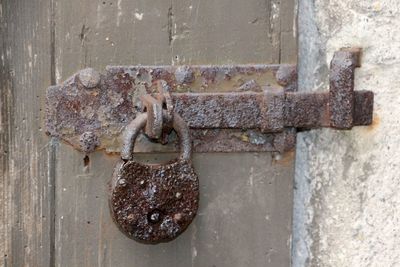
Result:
pixel 132 131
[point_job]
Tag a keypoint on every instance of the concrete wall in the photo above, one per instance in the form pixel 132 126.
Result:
pixel 347 183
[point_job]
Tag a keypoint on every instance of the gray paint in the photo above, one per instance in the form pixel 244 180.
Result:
pixel 246 199
pixel 236 224
pixel 45 42
pixel 27 154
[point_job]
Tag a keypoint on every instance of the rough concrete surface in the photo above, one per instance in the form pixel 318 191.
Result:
pixel 347 183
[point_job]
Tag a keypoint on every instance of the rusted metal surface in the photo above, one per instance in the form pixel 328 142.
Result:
pixel 154 123
pixel 154 203
pixel 89 78
pixel 258 100
pixel 341 93
pixel 106 109
pixel 233 140
pixel 160 110
pixel 286 76
pixel 220 110
pixel 88 142
pixel 364 106
pixel 270 111
pixel 132 131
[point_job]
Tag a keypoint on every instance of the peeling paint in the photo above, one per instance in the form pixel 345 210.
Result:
pixel 119 13
pixel 139 16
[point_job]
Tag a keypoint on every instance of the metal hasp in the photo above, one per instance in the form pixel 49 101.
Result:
pixel 256 108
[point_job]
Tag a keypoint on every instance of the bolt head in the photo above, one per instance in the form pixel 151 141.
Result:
pixel 184 75
pixel 286 75
pixel 88 142
pixel 89 78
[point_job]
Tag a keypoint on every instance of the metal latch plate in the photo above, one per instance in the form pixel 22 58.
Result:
pixel 82 110
pixel 228 108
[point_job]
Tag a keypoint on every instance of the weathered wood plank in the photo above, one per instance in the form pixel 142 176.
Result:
pixel 241 205
pixel 101 33
pixel 236 225
pixel 224 32
pixel 288 28
pixel 26 191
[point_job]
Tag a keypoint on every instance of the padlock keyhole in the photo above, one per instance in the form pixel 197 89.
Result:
pixel 154 216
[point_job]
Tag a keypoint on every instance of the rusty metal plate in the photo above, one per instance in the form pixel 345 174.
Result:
pixel 90 110
pixel 256 108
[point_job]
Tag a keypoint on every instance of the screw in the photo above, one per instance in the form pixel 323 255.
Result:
pixel 89 78
pixel 184 75
pixel 89 142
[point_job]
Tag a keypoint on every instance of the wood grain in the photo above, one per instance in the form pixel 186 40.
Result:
pixel 27 154
pixel 245 212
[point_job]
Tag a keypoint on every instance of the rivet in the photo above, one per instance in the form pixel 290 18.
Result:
pixel 89 78
pixel 184 75
pixel 88 142
pixel 286 75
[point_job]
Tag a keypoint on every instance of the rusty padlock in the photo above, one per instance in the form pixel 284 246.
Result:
pixel 153 203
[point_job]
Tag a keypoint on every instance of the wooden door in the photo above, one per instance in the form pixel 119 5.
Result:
pixel 54 206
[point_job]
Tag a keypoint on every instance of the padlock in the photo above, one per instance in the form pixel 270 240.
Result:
pixel 153 203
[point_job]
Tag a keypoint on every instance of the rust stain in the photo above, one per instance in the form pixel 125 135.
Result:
pixel 286 158
pixel 375 123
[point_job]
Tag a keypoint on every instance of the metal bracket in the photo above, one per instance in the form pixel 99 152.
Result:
pixel 256 108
